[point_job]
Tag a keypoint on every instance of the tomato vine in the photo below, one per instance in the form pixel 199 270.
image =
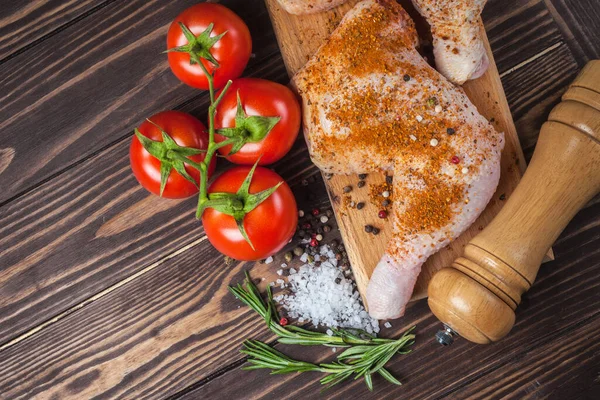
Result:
pixel 247 129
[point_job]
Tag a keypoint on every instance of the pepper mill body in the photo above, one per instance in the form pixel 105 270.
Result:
pixel 477 296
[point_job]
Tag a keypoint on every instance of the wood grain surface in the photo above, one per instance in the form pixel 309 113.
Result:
pixel 94 204
pixel 299 37
pixel 26 24
pixel 107 292
pixel 74 70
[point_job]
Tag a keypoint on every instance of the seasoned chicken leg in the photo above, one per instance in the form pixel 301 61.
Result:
pixel 457 43
pixel 371 103
pixel 298 7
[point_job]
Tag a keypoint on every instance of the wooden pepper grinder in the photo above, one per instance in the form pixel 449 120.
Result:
pixel 476 297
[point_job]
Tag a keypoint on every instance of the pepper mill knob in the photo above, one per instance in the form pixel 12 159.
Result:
pixel 476 296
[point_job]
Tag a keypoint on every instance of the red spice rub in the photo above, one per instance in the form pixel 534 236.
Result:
pixel 372 103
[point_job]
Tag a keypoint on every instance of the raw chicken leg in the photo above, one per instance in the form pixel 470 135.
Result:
pixel 457 43
pixel 371 103
pixel 308 6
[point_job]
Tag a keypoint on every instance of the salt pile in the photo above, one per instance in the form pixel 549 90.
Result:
pixel 324 296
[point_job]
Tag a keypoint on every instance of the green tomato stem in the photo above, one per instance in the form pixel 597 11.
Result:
pixel 212 146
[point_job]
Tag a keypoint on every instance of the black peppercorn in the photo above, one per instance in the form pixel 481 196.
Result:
pixel 376 231
pixel 362 176
pixel 385 203
pixel 360 205
pixel 450 131
pixel 389 179
pixel 368 228
pixel 347 189
pixel 360 184
pixel 406 78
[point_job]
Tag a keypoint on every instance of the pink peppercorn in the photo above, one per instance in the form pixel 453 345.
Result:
pixel 283 321
pixel 315 212
pixel 382 214
pixel 455 160
pixel 314 242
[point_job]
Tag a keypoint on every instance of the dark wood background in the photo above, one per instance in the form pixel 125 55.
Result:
pixel 109 292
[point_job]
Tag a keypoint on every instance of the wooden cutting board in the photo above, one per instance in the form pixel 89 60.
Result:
pixel 299 38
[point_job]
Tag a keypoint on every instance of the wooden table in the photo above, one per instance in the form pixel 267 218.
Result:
pixel 109 292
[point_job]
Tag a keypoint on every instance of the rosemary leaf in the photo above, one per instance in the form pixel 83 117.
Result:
pixel 364 356
pixel 388 377
pixel 369 382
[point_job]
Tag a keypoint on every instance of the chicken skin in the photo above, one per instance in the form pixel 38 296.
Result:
pixel 457 42
pixel 372 103
pixel 299 7
pixel 455 26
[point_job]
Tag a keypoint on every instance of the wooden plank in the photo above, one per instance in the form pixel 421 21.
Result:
pixel 22 23
pixel 89 85
pixel 152 336
pixel 518 30
pixel 579 21
pixel 299 37
pixel 177 325
pixel 534 89
pixel 79 233
pixel 562 306
pixel 92 226
pixel 548 372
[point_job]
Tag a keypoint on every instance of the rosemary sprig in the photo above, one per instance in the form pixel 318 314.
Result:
pixel 290 334
pixel 363 363
pixel 365 355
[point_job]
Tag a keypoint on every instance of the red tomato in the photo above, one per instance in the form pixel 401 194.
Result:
pixel 267 99
pixel 232 51
pixel 270 226
pixel 186 131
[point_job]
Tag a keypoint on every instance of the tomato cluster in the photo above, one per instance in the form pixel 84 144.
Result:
pixel 248 213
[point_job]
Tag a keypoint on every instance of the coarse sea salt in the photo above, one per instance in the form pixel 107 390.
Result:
pixel 323 295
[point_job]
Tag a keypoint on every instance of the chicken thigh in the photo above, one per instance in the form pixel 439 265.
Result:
pixel 372 103
pixel 457 42
pixel 298 7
